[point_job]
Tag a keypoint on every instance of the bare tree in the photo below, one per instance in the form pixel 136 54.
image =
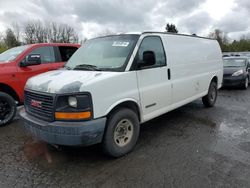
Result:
pixel 61 33
pixel 82 41
pixel 67 34
pixel 53 34
pixel 2 45
pixel 220 36
pixel 104 33
pixel 1 37
pixel 35 32
pixel 29 33
pixel 16 30
pixel 38 32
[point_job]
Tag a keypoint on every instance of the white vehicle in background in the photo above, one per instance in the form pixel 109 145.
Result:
pixel 113 84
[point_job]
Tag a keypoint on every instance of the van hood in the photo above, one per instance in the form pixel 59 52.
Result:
pixel 65 81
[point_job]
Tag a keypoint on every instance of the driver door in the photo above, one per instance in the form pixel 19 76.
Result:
pixel 154 83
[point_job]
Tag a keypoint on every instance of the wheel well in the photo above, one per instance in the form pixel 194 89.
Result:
pixel 128 104
pixel 215 79
pixel 7 89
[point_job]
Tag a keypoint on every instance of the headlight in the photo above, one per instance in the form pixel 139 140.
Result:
pixel 74 107
pixel 238 73
pixel 72 101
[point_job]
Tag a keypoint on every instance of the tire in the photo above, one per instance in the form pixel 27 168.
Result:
pixel 7 109
pixel 210 99
pixel 122 132
pixel 245 85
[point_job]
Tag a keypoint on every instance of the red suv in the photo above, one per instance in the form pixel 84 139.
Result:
pixel 20 63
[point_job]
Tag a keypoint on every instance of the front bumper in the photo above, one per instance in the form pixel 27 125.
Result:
pixel 233 81
pixel 65 133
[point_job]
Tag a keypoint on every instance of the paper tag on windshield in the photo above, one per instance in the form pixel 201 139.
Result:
pixel 120 44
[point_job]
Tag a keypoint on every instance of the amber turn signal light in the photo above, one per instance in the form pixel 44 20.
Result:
pixel 72 115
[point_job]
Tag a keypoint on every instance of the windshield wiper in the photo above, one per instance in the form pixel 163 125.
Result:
pixel 86 67
pixel 67 67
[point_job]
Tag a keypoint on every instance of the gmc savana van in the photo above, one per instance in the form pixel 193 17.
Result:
pixel 113 84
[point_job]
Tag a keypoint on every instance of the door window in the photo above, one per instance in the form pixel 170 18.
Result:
pixel 66 52
pixel 152 43
pixel 46 52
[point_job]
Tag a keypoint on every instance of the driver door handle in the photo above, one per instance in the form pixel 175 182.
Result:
pixel 169 74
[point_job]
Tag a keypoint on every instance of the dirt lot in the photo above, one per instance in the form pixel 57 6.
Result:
pixel 189 147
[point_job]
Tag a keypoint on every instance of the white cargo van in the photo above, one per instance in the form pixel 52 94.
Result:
pixel 113 84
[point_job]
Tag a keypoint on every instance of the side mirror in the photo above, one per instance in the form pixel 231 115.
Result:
pixel 148 59
pixel 32 59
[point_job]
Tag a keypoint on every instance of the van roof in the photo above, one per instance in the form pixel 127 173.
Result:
pixel 167 33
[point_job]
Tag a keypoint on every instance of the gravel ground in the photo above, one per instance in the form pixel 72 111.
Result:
pixel 192 146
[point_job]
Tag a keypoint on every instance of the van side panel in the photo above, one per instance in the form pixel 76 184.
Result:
pixel 109 91
pixel 194 62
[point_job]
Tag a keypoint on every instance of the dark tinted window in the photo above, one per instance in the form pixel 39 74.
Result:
pixel 153 44
pixel 66 52
pixel 47 54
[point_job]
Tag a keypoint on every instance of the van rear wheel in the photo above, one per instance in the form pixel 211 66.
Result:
pixel 210 99
pixel 122 132
pixel 7 108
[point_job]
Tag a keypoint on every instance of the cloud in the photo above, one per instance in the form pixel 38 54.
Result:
pixel 236 22
pixel 197 23
pixel 121 16
pixel 243 4
pixel 90 17
pixel 173 8
pixel 110 12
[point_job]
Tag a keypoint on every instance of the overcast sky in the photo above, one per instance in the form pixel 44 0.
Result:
pixel 92 17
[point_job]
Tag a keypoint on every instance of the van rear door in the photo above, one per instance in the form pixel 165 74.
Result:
pixel 154 83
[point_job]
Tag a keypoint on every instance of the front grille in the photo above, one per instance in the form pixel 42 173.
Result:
pixel 226 81
pixel 39 105
pixel 227 75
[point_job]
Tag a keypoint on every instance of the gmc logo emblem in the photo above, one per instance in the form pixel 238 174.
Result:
pixel 35 103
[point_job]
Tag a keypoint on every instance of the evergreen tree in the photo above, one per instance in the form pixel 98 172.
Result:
pixel 11 39
pixel 171 28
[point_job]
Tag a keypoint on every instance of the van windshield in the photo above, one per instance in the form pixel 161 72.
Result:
pixel 109 53
pixel 12 53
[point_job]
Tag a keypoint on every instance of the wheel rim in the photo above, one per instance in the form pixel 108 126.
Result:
pixel 5 110
pixel 123 132
pixel 246 83
pixel 213 94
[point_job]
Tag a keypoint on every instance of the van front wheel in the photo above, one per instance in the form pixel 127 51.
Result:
pixel 210 99
pixel 121 133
